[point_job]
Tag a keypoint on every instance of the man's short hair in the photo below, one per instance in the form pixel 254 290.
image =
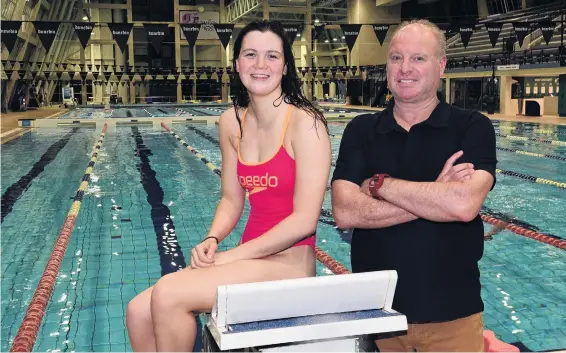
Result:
pixel 437 32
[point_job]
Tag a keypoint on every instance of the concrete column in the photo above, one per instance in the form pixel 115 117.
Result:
pixel 83 83
pixel 505 83
pixel 224 55
pixel 265 4
pixel 178 61
pixel 308 36
pixel 194 66
pixel 119 57
pixel 131 61
pixel 482 8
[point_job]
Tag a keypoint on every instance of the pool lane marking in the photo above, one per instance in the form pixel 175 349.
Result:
pixel 322 257
pixel 27 333
pixel 16 190
pixel 170 252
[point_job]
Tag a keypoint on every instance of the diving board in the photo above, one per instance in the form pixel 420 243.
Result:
pixel 327 313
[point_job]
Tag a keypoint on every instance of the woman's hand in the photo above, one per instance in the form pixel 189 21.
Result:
pixel 204 253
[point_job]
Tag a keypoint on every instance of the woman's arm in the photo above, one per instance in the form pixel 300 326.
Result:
pixel 231 205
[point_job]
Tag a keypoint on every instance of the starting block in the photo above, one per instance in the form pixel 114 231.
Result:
pixel 327 313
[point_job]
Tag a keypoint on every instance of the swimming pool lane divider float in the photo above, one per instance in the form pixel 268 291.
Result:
pixel 321 256
pixel 29 327
pixel 534 130
pixel 531 178
pixel 532 154
pixel 524 138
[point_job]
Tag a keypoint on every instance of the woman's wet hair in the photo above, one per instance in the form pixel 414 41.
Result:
pixel 291 91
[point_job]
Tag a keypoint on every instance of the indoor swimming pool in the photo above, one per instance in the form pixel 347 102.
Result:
pixel 148 194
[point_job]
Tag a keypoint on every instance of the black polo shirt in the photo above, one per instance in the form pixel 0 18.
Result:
pixel 436 263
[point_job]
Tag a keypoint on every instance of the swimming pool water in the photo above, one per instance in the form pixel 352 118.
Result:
pixel 144 179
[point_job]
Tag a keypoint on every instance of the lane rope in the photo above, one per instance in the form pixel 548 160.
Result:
pixel 533 130
pixel 531 178
pixel 29 327
pixel 524 138
pixel 532 154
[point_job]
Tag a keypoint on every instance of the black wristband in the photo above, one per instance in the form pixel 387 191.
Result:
pixel 215 238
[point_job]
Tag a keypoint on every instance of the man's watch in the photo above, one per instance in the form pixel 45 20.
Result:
pixel 375 182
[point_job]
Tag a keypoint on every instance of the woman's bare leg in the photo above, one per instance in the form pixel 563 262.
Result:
pixel 178 295
pixel 139 323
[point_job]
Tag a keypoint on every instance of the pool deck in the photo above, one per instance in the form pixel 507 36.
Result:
pixel 546 119
pixel 9 121
pixel 10 129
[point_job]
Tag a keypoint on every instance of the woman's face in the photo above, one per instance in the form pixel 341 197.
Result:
pixel 261 63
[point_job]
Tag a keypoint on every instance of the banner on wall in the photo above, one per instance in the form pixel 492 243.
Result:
pixel 317 31
pixel 224 32
pixel 466 31
pixel 380 32
pixel 521 31
pixel 83 31
pixel 547 29
pixel 121 33
pixel 493 31
pixel 207 19
pixel 9 33
pixel 351 33
pixel 293 31
pixel 190 31
pixel 46 31
pixel 156 34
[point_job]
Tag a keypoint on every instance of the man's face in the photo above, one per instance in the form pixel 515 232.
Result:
pixel 413 64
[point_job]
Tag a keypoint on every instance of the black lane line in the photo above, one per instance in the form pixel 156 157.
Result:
pixel 15 191
pixel 170 252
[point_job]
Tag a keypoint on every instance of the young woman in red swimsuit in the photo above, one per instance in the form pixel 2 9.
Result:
pixel 275 146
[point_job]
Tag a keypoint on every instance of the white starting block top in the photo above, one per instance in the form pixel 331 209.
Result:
pixel 305 309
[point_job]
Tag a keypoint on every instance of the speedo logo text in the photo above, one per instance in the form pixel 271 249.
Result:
pixel 258 182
